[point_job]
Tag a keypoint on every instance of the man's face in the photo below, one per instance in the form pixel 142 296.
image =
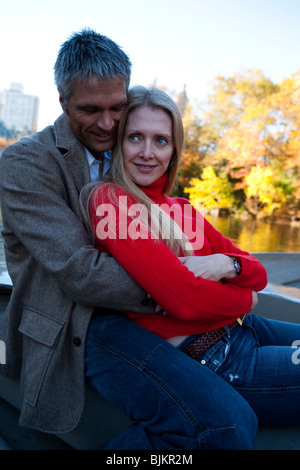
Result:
pixel 94 110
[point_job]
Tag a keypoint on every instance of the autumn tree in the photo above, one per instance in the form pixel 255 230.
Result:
pixel 249 133
pixel 211 190
pixel 192 160
pixel 261 192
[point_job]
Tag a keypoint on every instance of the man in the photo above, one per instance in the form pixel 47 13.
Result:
pixel 64 290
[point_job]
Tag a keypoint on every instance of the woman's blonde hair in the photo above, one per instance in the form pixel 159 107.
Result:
pixel 158 221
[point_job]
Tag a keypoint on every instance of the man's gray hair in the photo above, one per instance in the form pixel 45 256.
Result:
pixel 86 54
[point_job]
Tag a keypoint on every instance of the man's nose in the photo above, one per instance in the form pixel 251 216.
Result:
pixel 106 121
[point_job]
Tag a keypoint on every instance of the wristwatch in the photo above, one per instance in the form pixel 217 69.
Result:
pixel 236 265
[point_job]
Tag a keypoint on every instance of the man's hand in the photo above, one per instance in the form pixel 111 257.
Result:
pixel 212 267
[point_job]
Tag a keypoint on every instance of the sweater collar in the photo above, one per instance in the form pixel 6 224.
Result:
pixel 155 190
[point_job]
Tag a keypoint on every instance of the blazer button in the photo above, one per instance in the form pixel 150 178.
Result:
pixel 77 341
pixel 145 302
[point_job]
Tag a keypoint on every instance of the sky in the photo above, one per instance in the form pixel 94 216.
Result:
pixel 174 43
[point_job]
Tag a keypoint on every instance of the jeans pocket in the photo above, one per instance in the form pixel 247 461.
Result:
pixel 214 357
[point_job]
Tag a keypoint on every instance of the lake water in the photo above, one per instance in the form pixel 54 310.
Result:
pixel 248 235
pixel 4 277
pixel 257 236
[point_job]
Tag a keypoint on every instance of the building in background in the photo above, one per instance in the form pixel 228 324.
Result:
pixel 18 112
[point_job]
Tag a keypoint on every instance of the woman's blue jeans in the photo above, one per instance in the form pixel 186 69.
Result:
pixel 261 360
pixel 174 401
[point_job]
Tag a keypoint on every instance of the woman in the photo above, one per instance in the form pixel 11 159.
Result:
pixel 148 232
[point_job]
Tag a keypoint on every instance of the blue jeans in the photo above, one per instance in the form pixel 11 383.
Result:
pixel 174 402
pixel 259 361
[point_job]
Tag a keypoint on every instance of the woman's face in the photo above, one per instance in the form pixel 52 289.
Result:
pixel 147 144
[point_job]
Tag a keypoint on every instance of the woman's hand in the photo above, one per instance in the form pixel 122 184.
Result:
pixel 212 267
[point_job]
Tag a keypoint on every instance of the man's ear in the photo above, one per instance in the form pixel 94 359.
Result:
pixel 63 104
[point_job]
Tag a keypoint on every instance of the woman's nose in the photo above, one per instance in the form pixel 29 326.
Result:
pixel 147 150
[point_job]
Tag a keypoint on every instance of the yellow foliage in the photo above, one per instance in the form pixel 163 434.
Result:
pixel 212 191
pixel 247 122
pixel 260 187
pixel 4 142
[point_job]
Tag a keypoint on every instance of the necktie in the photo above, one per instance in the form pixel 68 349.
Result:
pixel 101 168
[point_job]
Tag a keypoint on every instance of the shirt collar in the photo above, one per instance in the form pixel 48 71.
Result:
pixel 94 164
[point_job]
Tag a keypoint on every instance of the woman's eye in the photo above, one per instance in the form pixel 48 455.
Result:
pixel 133 138
pixel 162 140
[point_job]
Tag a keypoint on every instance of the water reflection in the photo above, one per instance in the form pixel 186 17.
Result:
pixel 257 236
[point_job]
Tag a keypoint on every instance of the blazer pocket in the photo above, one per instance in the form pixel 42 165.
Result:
pixel 40 335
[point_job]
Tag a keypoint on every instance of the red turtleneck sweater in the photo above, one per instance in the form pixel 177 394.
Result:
pixel 194 304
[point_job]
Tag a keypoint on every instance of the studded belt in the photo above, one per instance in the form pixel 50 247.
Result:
pixel 207 339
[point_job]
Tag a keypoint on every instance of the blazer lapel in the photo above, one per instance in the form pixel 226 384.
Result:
pixel 73 152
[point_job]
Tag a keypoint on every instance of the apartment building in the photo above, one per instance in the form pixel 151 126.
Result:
pixel 18 111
